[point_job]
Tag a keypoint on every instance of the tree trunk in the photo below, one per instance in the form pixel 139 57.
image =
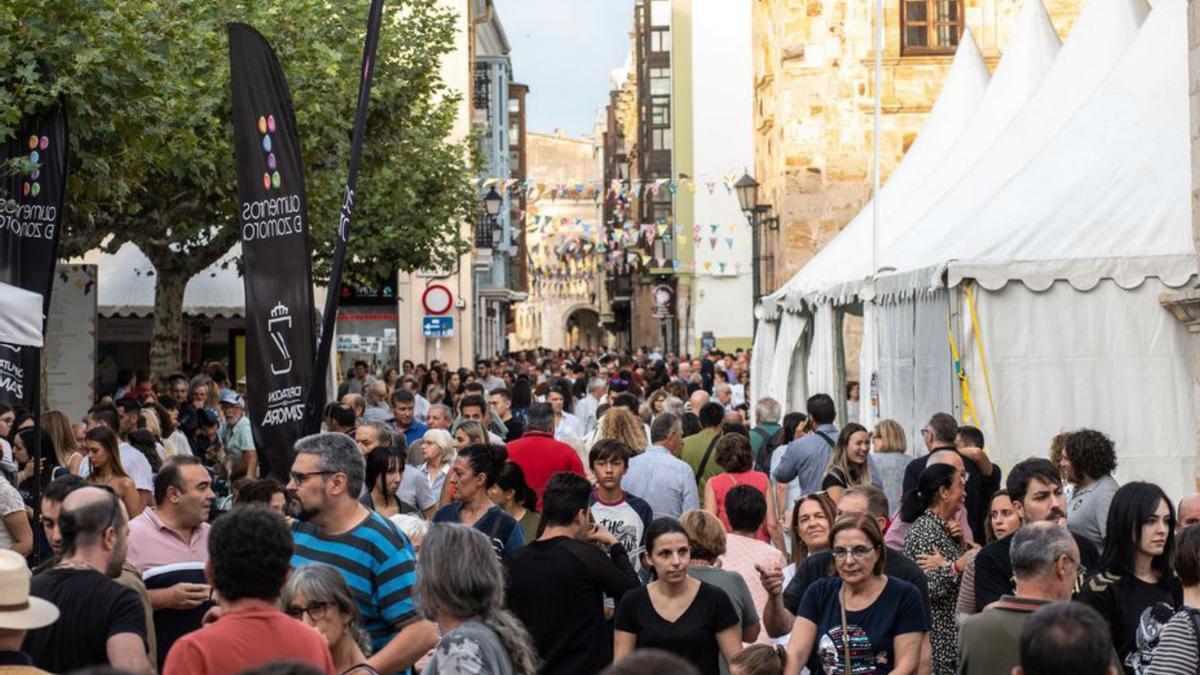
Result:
pixel 166 343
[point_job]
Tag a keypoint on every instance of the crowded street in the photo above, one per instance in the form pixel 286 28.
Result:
pixel 621 337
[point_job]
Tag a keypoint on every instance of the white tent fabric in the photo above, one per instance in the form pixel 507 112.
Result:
pixel 1110 359
pixel 125 282
pixel 1109 197
pixel 791 330
pixel 761 357
pixel 842 258
pixel 22 314
pixel 823 354
pixel 915 373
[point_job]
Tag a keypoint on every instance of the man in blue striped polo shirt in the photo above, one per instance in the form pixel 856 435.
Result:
pixel 372 554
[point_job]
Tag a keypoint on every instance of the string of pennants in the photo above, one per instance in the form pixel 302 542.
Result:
pixel 574 245
pixel 531 188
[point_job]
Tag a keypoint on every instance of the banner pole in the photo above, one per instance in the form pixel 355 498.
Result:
pixel 316 403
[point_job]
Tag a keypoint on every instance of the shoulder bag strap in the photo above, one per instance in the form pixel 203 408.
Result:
pixel 846 667
pixel 704 462
pixel 825 436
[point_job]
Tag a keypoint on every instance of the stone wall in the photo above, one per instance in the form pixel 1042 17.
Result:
pixel 814 106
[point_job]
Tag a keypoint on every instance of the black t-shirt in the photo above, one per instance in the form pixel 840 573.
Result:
pixel 871 631
pixel 516 428
pixel 1126 603
pixel 92 608
pixel 994 575
pixel 819 565
pixel 556 587
pixel 693 636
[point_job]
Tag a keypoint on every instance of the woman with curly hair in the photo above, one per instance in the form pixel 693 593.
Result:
pixel 619 424
pixel 1090 459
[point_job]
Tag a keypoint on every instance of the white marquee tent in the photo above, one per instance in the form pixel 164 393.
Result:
pixel 125 282
pixel 1068 227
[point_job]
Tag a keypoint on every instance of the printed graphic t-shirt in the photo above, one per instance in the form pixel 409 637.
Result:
pixel 896 611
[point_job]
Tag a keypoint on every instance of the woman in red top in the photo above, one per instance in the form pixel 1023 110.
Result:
pixel 735 456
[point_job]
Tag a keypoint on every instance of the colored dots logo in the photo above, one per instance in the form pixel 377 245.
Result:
pixel 37 145
pixel 266 127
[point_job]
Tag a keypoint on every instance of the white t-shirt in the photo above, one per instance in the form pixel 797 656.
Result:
pixel 10 502
pixel 134 463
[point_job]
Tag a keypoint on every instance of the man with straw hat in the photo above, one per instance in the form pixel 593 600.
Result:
pixel 19 613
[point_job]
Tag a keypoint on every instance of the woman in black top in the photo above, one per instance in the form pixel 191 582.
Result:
pixel 676 612
pixel 1135 587
pixel 848 463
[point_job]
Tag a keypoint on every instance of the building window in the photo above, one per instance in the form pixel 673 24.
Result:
pixel 660 40
pixel 660 111
pixel 930 26
pixel 660 139
pixel 660 13
pixel 660 81
pixel 483 86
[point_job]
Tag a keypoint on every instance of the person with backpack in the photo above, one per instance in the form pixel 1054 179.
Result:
pixel 1179 643
pixel 474 472
pixel 807 458
pixel 698 449
pixel 764 434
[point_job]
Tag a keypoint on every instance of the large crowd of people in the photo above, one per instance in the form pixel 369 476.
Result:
pixel 575 512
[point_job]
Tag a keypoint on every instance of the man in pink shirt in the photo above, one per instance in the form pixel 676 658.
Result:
pixel 746 508
pixel 168 545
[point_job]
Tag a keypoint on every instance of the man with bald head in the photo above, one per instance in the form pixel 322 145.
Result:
pixel 100 622
pixel 1189 511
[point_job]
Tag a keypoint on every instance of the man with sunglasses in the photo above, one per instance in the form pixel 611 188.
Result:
pixel 100 622
pixel 335 529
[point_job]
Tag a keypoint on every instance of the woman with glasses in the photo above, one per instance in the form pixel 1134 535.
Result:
pixel 1135 588
pixel 319 596
pixel 889 446
pixel 438 448
pixel 930 508
pixel 103 454
pixel 882 615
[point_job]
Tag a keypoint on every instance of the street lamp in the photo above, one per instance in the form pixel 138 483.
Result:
pixel 492 203
pixel 747 193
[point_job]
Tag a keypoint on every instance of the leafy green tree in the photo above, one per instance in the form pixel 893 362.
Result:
pixel 147 90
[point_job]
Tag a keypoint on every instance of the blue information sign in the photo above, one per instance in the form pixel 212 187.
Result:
pixel 437 326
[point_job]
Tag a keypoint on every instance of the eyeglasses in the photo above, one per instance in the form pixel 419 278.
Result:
pixel 299 477
pixel 315 610
pixel 858 552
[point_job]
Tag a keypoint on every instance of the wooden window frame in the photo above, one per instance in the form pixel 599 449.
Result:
pixel 931 24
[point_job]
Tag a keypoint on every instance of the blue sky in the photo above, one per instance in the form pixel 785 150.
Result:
pixel 565 50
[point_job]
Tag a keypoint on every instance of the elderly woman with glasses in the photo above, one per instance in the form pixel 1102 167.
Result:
pixel 319 596
pixel 883 616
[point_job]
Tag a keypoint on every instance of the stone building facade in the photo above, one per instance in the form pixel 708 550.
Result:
pixel 562 226
pixel 814 102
